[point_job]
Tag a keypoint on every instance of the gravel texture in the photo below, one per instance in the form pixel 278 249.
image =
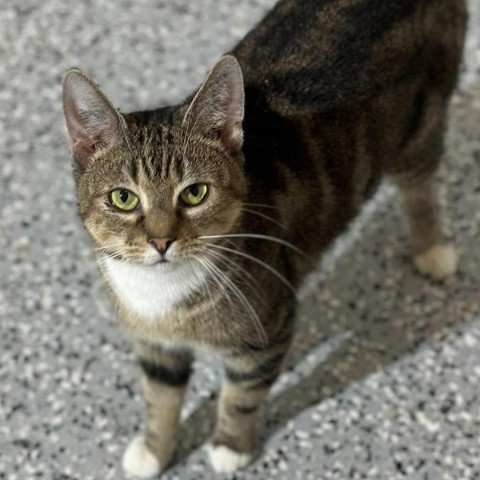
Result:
pixel 383 380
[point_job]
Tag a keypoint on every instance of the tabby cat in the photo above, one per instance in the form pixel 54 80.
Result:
pixel 208 215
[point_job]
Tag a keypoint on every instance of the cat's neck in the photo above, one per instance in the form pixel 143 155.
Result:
pixel 152 291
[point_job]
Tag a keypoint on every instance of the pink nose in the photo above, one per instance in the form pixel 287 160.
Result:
pixel 161 244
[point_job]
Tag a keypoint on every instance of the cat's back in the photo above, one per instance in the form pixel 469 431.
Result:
pixel 324 54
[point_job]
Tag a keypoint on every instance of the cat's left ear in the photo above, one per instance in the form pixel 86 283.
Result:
pixel 217 109
pixel 92 121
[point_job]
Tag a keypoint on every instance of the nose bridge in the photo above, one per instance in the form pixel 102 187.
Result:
pixel 160 224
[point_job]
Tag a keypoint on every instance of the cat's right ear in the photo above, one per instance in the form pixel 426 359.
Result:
pixel 217 108
pixel 92 121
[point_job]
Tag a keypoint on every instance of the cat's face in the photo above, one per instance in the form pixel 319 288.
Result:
pixel 163 192
pixel 151 186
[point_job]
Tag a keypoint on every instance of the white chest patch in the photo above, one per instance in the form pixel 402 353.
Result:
pixel 152 291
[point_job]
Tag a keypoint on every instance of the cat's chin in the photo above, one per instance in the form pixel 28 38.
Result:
pixel 163 265
pixel 151 264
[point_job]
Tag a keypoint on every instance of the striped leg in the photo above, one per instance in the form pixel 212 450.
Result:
pixel 433 256
pixel 417 164
pixel 164 381
pixel 248 380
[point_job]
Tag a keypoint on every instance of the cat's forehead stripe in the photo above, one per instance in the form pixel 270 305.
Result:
pixel 159 156
pixel 133 170
pixel 167 156
pixel 151 154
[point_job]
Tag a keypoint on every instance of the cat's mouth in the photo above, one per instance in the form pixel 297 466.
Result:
pixel 161 261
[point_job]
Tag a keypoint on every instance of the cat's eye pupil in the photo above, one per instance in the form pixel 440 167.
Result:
pixel 123 194
pixel 194 189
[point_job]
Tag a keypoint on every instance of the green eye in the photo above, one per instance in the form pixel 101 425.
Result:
pixel 194 194
pixel 124 200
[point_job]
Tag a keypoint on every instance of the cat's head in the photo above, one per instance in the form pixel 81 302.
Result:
pixel 150 185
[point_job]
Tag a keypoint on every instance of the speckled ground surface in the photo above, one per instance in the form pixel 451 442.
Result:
pixel 384 377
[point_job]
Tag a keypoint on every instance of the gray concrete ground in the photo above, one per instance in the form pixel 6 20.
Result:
pixel 383 380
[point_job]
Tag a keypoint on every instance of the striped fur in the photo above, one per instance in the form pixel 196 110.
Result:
pixel 338 94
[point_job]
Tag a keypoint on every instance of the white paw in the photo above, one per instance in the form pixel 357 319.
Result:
pixel 225 460
pixel 438 262
pixel 138 461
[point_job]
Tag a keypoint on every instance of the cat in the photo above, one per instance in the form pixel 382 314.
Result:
pixel 207 215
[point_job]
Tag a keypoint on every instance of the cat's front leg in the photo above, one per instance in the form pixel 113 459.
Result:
pixel 248 379
pixel 164 381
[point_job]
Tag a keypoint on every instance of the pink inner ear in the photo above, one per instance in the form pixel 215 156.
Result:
pixel 217 109
pixel 92 121
pixel 82 142
pixel 232 136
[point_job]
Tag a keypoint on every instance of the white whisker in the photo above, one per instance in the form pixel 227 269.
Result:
pixel 221 285
pixel 259 236
pixel 259 262
pixel 214 276
pixel 113 256
pixel 243 300
pixel 263 205
pixel 221 257
pixel 107 247
pixel 208 290
pixel 266 217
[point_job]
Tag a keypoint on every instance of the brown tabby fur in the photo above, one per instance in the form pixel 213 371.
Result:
pixel 338 93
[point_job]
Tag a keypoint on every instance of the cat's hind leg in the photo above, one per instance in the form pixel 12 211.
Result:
pixel 414 171
pixel 432 255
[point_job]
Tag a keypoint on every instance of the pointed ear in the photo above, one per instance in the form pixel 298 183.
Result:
pixel 217 109
pixel 92 121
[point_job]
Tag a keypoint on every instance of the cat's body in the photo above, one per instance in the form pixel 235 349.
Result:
pixel 337 93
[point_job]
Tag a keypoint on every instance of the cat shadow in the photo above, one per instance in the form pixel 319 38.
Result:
pixel 370 312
